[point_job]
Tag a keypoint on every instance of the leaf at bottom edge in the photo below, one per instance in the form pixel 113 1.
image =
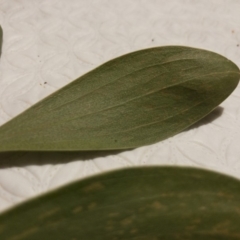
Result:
pixel 146 203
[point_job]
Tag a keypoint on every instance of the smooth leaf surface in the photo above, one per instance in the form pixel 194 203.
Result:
pixel 131 101
pixel 149 203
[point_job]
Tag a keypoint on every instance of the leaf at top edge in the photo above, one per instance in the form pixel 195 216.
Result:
pixel 134 100
pixel 149 203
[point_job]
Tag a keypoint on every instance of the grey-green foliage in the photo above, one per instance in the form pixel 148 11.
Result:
pixel 1 39
pixel 134 100
pixel 149 203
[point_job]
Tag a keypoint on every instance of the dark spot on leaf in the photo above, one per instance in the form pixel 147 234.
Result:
pixel 237 45
pixel 233 31
pixel 115 140
pixel 45 82
pixel 153 40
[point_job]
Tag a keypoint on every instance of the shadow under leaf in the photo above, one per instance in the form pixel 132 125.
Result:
pixel 212 116
pixel 21 159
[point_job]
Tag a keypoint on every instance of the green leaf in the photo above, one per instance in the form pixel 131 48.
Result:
pixel 147 203
pixel 1 39
pixel 131 101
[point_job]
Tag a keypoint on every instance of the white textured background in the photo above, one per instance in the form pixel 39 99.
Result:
pixel 49 43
